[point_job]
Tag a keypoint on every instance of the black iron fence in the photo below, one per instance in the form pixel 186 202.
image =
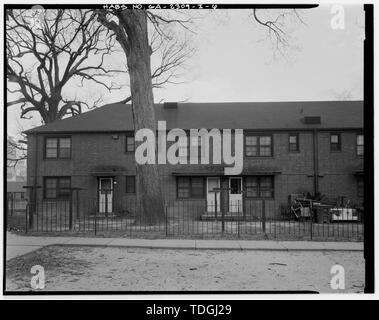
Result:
pixel 16 204
pixel 190 219
pixel 16 201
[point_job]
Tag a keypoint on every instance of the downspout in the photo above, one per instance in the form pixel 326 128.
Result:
pixel 315 161
pixel 33 191
pixel 34 197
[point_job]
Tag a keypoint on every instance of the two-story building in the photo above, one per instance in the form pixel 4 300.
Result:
pixel 289 147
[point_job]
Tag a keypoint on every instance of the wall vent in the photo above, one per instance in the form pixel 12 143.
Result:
pixel 170 105
pixel 312 120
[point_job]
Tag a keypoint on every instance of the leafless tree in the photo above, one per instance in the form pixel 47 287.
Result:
pixel 344 95
pixel 44 57
pixel 16 152
pixel 61 49
pixel 131 30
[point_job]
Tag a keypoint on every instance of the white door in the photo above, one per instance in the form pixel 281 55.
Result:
pixel 105 195
pixel 213 182
pixel 235 195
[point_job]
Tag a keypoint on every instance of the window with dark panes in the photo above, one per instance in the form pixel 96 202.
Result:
pixel 360 145
pixel 130 144
pixel 197 187
pixel 251 148
pixel 130 184
pixel 360 186
pixel 252 189
pixel 57 187
pixel 293 142
pixel 265 146
pixel 58 148
pixel 335 142
pixel 190 187
pixel 258 145
pixel 51 148
pixel 259 187
pixel 183 187
pixel 235 186
pixel 64 147
pixel 266 187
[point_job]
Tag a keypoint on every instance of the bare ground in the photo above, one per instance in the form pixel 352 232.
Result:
pixel 108 269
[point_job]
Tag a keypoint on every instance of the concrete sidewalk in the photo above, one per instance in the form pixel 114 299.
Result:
pixel 19 245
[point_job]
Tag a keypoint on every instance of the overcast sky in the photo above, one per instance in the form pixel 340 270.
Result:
pixel 234 62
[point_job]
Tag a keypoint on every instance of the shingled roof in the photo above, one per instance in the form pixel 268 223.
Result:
pixel 241 115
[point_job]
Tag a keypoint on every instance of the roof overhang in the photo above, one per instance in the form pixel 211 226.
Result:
pixel 110 171
pixel 220 172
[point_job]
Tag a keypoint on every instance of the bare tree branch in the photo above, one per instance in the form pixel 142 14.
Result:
pixel 173 51
pixel 16 152
pixel 68 45
pixel 276 22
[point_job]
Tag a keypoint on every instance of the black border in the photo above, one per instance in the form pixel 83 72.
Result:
pixel 368 159
pixel 368 103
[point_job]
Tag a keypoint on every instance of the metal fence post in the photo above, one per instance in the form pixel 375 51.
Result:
pixel 311 213
pixel 238 219
pixel 26 218
pixel 165 210
pixel 70 213
pixel 12 203
pixel 264 215
pixel 216 205
pixel 106 204
pixel 32 211
pixel 77 206
pixel 222 219
pixel 95 222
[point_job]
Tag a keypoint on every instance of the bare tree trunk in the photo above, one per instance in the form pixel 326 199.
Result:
pixel 149 193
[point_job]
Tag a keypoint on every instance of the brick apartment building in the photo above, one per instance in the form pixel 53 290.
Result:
pixel 289 148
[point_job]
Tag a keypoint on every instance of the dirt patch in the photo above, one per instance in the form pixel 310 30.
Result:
pixel 122 269
pixel 57 261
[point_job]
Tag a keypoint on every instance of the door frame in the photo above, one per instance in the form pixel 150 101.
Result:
pixel 219 195
pixel 98 191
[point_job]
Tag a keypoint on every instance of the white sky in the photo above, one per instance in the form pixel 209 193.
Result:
pixel 233 62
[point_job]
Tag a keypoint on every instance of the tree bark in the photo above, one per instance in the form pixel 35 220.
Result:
pixel 149 193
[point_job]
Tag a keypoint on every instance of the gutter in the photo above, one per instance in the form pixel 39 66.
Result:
pixel 35 169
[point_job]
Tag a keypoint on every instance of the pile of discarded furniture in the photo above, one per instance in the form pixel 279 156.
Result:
pixel 320 209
